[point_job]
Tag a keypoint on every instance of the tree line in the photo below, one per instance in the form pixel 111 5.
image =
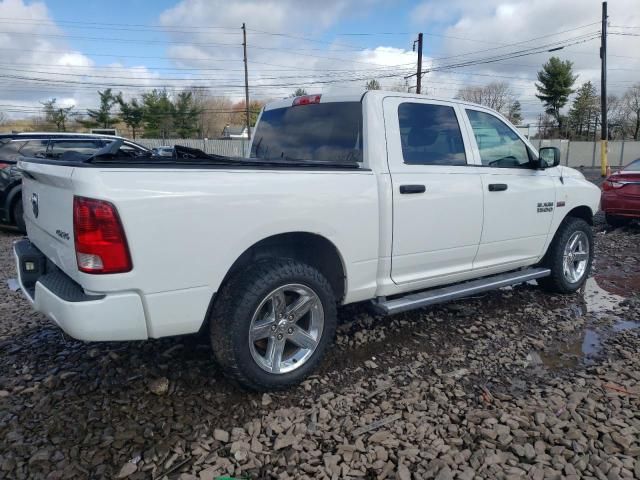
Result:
pixel 156 114
pixel 197 113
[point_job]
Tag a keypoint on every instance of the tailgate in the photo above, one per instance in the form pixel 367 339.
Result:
pixel 47 196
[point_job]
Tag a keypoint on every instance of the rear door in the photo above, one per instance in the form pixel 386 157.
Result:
pixel 518 199
pixel 437 192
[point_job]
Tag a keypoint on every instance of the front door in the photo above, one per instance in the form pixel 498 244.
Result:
pixel 437 194
pixel 518 199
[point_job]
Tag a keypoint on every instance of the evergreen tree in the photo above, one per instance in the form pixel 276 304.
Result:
pixel 185 115
pixel 514 113
pixel 583 110
pixel 158 114
pixel 102 116
pixel 556 81
pixel 373 84
pixel 131 113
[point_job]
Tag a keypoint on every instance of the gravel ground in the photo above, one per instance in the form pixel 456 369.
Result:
pixel 511 384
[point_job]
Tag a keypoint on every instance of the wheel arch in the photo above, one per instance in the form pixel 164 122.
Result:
pixel 311 248
pixel 583 212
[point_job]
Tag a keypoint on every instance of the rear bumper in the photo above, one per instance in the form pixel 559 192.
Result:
pixel 615 204
pixel 114 316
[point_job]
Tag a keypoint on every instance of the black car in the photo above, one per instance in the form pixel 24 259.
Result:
pixel 43 145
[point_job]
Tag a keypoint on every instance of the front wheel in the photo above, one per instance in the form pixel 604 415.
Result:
pixel 569 256
pixel 272 324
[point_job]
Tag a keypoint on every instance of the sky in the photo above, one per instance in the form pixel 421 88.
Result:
pixel 70 49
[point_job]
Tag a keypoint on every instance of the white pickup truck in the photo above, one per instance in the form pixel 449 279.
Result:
pixel 394 199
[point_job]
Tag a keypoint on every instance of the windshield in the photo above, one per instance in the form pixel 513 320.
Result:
pixel 632 167
pixel 323 132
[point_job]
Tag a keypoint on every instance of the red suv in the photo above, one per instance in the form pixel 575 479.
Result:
pixel 621 195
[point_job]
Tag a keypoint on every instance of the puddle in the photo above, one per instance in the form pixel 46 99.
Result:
pixel 585 348
pixel 597 299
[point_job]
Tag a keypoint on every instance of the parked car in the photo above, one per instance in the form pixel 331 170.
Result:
pixel 163 151
pixel 393 199
pixel 42 145
pixel 621 195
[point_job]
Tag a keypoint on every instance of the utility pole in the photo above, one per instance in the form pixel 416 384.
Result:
pixel 604 137
pixel 246 79
pixel 419 72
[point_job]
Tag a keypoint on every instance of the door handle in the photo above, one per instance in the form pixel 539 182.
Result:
pixel 412 189
pixel 498 187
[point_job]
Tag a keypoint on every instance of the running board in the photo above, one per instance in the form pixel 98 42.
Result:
pixel 459 290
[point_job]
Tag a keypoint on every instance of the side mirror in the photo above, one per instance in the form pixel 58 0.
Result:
pixel 548 157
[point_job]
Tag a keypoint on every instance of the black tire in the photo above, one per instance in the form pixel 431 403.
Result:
pixel 616 221
pixel 233 310
pixel 557 282
pixel 17 212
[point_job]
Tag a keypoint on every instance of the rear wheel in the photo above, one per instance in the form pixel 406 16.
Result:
pixel 17 212
pixel 272 323
pixel 616 221
pixel 569 257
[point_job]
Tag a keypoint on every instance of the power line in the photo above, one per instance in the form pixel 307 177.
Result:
pixel 515 43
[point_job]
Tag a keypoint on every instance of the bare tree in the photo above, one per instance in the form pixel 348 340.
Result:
pixel 631 108
pixel 399 87
pixel 3 118
pixel 57 115
pixel 217 112
pixel 495 95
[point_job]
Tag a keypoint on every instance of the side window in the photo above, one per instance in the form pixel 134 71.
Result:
pixel 430 135
pixel 499 145
pixel 58 147
pixel 34 148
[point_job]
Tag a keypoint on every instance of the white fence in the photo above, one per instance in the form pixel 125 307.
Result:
pixel 231 148
pixel 587 154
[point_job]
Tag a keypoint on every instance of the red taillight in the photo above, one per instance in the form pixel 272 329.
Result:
pixel 101 246
pixel 611 185
pixel 306 100
pixel 4 165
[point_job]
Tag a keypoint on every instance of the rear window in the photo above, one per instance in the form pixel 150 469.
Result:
pixel 34 148
pixel 633 166
pixel 58 147
pixel 325 132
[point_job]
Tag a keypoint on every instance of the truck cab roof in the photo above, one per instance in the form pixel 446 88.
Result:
pixel 358 95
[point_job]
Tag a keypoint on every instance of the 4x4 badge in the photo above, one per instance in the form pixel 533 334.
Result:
pixel 34 204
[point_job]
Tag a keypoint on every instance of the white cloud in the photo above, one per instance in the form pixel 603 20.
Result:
pixel 494 23
pixel 278 63
pixel 65 72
